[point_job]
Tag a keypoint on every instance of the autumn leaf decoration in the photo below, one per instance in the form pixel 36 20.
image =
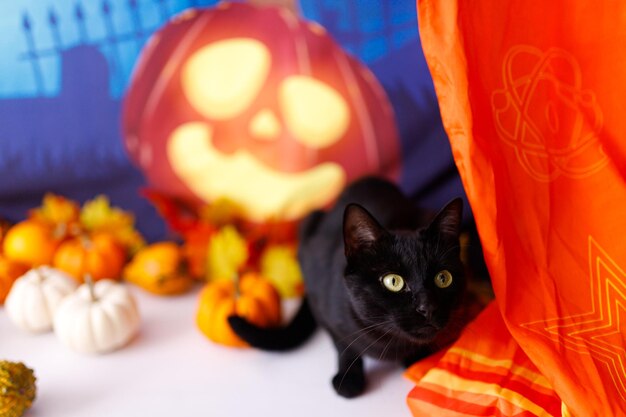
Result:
pixel 98 215
pixel 59 212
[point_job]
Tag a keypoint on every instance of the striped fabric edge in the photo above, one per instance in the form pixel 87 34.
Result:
pixel 427 400
pixel 450 381
pixel 475 362
pixel 510 382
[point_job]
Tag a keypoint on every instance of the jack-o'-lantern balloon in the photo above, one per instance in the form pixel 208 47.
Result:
pixel 256 106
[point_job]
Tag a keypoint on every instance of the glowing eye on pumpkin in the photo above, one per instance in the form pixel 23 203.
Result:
pixel 443 279
pixel 314 112
pixel 222 79
pixel 393 282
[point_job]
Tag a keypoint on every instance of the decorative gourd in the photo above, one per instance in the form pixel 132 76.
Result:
pixel 31 242
pixel 35 296
pixel 158 268
pixel 252 297
pixel 97 318
pixel 9 272
pixel 99 255
pixel 17 388
pixel 257 106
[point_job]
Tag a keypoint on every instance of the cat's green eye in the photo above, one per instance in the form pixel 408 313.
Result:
pixel 443 279
pixel 393 282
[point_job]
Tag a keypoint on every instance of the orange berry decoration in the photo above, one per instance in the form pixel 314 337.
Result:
pixel 30 242
pixel 253 298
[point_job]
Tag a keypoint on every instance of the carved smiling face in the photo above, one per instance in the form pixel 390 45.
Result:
pixel 276 120
pixel 221 81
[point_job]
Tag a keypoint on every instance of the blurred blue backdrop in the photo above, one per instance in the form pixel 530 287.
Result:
pixel 37 32
pixel 65 65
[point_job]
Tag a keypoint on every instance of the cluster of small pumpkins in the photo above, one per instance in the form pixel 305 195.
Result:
pixel 45 259
pixel 47 256
pixel 96 239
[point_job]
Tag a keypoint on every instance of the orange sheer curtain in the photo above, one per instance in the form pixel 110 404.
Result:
pixel 532 97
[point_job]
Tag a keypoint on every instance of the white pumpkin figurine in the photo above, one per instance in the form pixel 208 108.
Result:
pixel 35 296
pixel 97 318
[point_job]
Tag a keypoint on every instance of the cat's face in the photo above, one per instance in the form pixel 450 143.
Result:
pixel 411 281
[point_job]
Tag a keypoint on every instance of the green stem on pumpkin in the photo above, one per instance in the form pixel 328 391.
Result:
pixel 40 277
pixel 85 240
pixel 89 281
pixel 237 279
pixel 60 231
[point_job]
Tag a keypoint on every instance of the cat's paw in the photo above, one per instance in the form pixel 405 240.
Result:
pixel 350 384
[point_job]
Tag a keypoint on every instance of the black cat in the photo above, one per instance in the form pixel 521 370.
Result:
pixel 380 278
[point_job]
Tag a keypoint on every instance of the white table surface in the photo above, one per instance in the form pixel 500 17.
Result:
pixel 171 369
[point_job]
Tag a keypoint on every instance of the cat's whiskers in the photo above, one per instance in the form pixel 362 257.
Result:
pixel 379 320
pixel 365 331
pixel 382 354
pixel 360 355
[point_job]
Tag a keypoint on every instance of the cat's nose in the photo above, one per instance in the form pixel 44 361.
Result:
pixel 426 310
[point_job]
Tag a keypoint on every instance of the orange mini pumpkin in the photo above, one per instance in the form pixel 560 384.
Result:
pixel 253 298
pixel 98 254
pixel 9 272
pixel 31 242
pixel 158 268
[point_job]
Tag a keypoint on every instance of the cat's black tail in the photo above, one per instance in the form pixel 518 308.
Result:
pixel 279 338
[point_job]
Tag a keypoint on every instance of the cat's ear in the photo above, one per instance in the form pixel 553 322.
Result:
pixel 447 222
pixel 360 229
